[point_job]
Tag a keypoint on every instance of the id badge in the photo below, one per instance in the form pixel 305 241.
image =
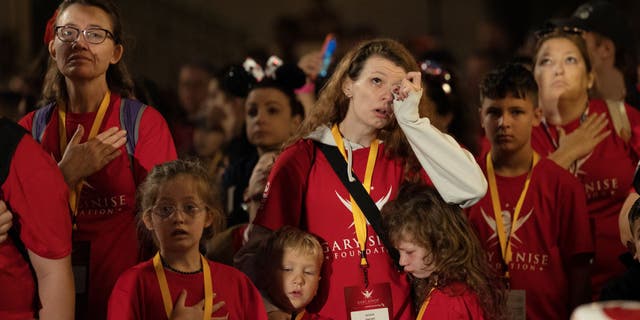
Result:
pixel 517 304
pixel 372 303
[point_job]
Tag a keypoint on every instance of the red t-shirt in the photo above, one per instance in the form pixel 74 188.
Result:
pixel 552 227
pixel 307 193
pixel 137 293
pixel 606 175
pixel 38 196
pixel 106 235
pixel 454 301
pixel 311 316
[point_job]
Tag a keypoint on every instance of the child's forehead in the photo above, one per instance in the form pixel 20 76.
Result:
pixel 179 187
pixel 302 252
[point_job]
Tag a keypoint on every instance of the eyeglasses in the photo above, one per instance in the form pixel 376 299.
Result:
pixel 92 35
pixel 166 210
pixel 565 29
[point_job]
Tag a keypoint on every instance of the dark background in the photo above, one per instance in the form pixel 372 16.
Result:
pixel 165 33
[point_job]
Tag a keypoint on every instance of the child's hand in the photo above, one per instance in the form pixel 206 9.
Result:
pixel 5 221
pixel 195 312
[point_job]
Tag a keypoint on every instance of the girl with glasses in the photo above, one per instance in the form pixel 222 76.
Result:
pixel 179 207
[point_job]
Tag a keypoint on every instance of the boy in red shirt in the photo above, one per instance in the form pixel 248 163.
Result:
pixel 533 222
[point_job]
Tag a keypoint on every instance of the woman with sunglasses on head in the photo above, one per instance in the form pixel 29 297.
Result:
pixel 86 86
pixel 367 114
pixel 578 134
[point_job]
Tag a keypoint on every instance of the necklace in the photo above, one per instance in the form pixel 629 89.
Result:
pixel 547 131
pixel 166 265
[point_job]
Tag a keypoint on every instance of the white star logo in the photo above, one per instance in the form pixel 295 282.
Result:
pixel 506 220
pixel 380 203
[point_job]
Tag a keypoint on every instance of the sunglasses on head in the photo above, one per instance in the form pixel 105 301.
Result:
pixel 565 29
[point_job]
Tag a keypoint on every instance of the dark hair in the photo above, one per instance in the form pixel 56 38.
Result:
pixel 511 79
pixel 634 214
pixel 421 216
pixel 442 91
pixel 118 78
pixel 287 78
pixel 207 191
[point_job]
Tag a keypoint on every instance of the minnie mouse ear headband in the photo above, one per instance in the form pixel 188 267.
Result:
pixel 239 80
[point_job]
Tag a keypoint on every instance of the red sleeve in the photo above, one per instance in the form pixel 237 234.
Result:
pixel 251 297
pixel 286 187
pixel 39 198
pixel 634 120
pixel 27 121
pixel 155 144
pixel 242 299
pixel 125 303
pixel 460 307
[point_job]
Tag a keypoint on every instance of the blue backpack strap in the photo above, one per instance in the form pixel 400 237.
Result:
pixel 130 115
pixel 40 120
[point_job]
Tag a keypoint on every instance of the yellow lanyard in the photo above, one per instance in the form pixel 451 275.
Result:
pixel 74 193
pixel 505 242
pixel 300 315
pixel 166 295
pixel 359 220
pixel 423 308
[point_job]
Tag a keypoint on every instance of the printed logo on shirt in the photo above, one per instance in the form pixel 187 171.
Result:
pixel 506 220
pixel 521 260
pixel 380 203
pixel 101 206
pixel 349 248
pixel 601 188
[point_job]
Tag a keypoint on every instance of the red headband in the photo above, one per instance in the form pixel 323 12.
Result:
pixel 48 32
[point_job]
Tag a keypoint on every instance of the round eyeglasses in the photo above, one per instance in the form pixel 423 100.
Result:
pixel 92 35
pixel 166 210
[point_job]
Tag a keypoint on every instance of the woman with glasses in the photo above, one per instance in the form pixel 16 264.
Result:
pixel 86 86
pixel 578 134
pixel 181 209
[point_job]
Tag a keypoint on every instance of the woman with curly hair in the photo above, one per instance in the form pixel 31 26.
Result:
pixel 450 275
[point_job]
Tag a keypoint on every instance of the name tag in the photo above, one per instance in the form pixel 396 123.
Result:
pixel 517 304
pixel 372 303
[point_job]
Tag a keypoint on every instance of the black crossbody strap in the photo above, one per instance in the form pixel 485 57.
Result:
pixel 360 195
